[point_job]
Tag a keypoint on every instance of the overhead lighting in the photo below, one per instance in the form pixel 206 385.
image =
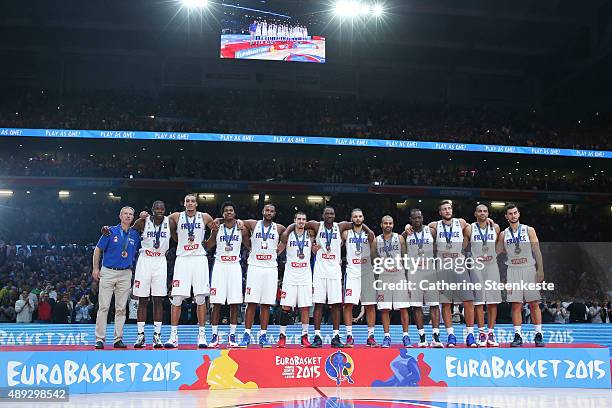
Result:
pixel 111 195
pixel 378 10
pixel 557 206
pixel 206 196
pixel 314 199
pixel 498 204
pixel 64 193
pixel 6 193
pixel 195 4
pixel 256 197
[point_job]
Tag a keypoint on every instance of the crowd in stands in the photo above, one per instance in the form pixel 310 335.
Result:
pixel 51 221
pixel 421 171
pixel 279 113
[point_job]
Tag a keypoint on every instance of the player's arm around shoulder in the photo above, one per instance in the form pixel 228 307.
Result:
pixel 173 225
pixel 280 228
pixel 535 248
pixel 246 238
pixel 467 235
pixel 499 244
pixel 403 247
pixel 211 242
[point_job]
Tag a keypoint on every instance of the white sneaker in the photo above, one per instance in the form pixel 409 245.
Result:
pixel 482 339
pixel 491 340
pixel 140 341
pixel 202 340
pixel 172 341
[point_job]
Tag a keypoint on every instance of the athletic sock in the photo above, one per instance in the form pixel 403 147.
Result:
pixel 157 327
pixel 421 332
pixel 283 330
pixel 517 329
pixel 247 331
pixel 450 331
pixel 305 329
pixel 349 330
pixel 174 330
pixel 538 328
pixel 318 333
pixel 202 330
pixel 370 331
pixel 436 330
pixel 470 330
pixel 215 330
pixel 140 326
pixel 336 333
pixel 233 328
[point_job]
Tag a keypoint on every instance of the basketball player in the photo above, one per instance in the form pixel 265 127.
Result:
pixel 483 237
pixel 151 269
pixel 262 273
pixel 451 240
pixel 520 243
pixel 226 282
pixel 327 274
pixel 392 245
pixel 359 279
pixel 297 279
pixel 191 266
pixel 420 244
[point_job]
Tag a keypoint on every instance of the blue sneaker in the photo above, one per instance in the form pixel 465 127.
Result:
pixel 232 341
pixel 386 343
pixel 246 340
pixel 452 341
pixel 317 342
pixel 214 341
pixel 406 341
pixel 470 340
pixel 263 341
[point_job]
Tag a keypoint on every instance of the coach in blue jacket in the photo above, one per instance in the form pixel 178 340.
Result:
pixel 118 250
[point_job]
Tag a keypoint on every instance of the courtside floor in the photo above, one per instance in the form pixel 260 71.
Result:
pixel 341 397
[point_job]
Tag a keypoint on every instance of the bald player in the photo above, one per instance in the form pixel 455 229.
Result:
pixel 262 273
pixel 421 245
pixel 392 245
pixel 483 242
pixel 188 229
pixel 520 243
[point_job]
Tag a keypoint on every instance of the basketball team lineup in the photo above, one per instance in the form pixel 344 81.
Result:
pixel 313 273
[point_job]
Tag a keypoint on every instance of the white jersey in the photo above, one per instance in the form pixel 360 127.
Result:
pixel 234 236
pixel 355 261
pixel 298 270
pixel 426 240
pixel 327 264
pixel 455 232
pixel 525 257
pixel 489 235
pixel 264 254
pixel 147 245
pixel 186 247
pixel 389 249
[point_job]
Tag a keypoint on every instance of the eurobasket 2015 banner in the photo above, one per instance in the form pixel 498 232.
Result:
pixel 149 370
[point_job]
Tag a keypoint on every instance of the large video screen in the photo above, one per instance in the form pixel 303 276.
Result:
pixel 263 30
